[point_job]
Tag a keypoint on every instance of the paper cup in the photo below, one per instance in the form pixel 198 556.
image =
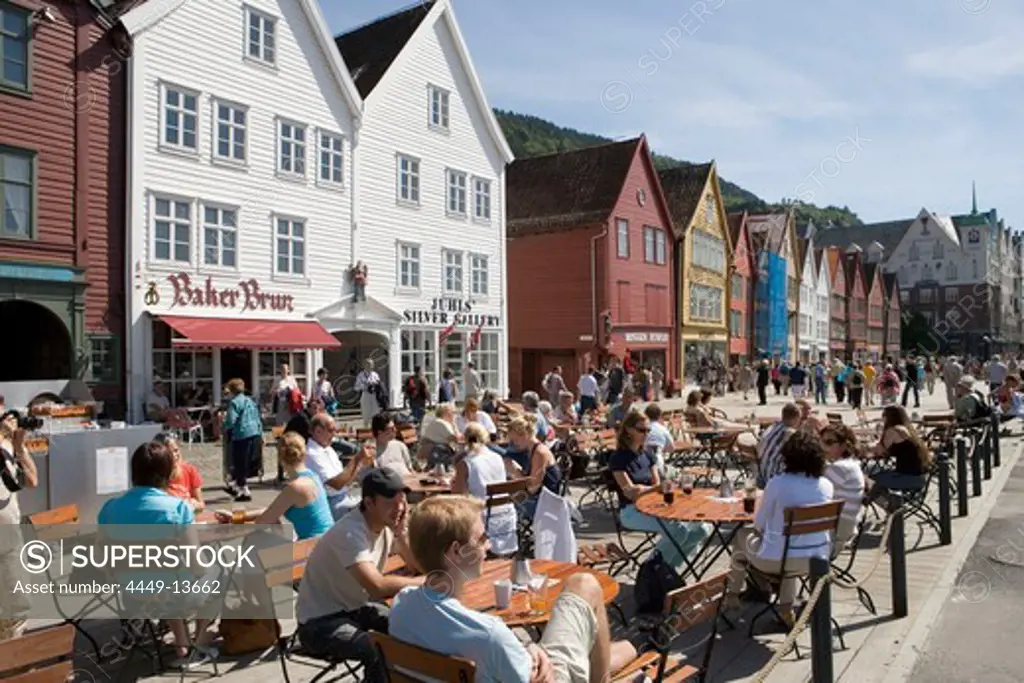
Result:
pixel 503 593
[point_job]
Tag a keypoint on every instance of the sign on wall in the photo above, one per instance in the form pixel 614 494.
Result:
pixel 247 295
pixel 645 337
pixel 445 311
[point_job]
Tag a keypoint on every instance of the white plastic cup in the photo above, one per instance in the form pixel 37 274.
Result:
pixel 503 593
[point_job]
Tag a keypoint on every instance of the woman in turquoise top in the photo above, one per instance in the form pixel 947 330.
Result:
pixel 303 501
pixel 244 427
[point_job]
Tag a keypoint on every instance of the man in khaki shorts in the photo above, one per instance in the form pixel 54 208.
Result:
pixel 450 543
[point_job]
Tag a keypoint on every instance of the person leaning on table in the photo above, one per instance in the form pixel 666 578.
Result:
pixel 17 471
pixel 803 483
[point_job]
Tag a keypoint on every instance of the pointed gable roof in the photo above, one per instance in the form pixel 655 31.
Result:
pixel 767 231
pixel 567 189
pixel 889 234
pixel 370 49
pixel 891 284
pixel 869 276
pixel 684 187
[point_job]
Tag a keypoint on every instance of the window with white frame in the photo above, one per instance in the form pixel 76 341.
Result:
pixel 439 107
pixel 822 329
pixel 914 254
pixel 456 192
pixel 481 199
pixel 622 237
pixel 290 245
pixel 805 325
pixel 904 296
pixel 478 274
pixel 452 261
pixel 331 148
pixel 172 230
pixel 419 350
pixel 104 358
pixel 408 266
pixel 736 323
pixel 269 364
pixel 736 283
pixel 710 209
pixel 486 357
pixel 659 247
pixel 220 237
pixel 291 148
pixel 708 251
pixel 926 295
pixel 938 251
pixel 185 372
pixel 649 244
pixel 822 304
pixel 951 270
pixel 951 294
pixel 181 119
pixel 261 36
pixel 18 181
pixel 705 303
pixel 16 29
pixel 230 132
pixel 408 179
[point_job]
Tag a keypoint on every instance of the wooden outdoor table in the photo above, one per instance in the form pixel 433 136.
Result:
pixel 417 482
pixel 479 593
pixel 700 506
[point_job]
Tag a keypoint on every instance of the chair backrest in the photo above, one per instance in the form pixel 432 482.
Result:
pixel 285 564
pixel 57 524
pixel 39 657
pixel 505 492
pixel 362 434
pixel 834 417
pixel 810 519
pixel 411 664
pixel 690 606
pixel 407 434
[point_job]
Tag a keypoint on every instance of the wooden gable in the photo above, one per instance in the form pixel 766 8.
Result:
pixel 857 290
pixel 876 293
pixel 836 271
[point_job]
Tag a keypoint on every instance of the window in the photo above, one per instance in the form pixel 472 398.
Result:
pixel 805 325
pixel 974 268
pixel 452 271
pixel 478 275
pixel 261 43
pixel 709 252
pixel 14 36
pixel 710 209
pixel 926 295
pixel 183 371
pixel 705 303
pixel 903 275
pixel 736 323
pixel 486 357
pixel 331 149
pixel 270 363
pixel 822 304
pixel 181 115
pixel 481 199
pixel 914 253
pixel 220 237
pixel 439 107
pixel 659 247
pixel 822 329
pixel 104 359
pixel 738 287
pixel 408 179
pixel 172 230
pixel 456 192
pixel 648 244
pixel 875 313
pixel 291 147
pixel 622 237
pixel 951 295
pixel 938 252
pixel 951 273
pixel 17 183
pixel 408 266
pixel 291 246
pixel 231 121
pixel 904 296
pixel 419 351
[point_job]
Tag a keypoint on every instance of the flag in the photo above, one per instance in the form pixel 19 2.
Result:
pixel 474 339
pixel 445 333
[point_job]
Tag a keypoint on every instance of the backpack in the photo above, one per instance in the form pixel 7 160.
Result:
pixel 295 402
pixel 857 380
pixel 982 409
pixel 654 580
pixel 410 388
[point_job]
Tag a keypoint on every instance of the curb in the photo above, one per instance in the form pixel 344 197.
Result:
pixel 899 667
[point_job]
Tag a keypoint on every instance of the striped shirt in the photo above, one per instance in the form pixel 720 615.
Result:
pixel 769 452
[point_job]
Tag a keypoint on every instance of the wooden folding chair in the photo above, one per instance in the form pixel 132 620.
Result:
pixel 285 565
pixel 411 664
pixel 43 656
pixel 510 493
pixel 407 435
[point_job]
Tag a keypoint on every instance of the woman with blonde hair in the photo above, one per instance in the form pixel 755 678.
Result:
pixel 473 474
pixel 437 435
pixel 303 500
pixel 526 456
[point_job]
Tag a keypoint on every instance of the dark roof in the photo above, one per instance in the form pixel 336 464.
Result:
pixel 767 231
pixel 683 187
pixel 735 221
pixel 819 258
pixel 890 283
pixel 568 189
pixel 869 275
pixel 888 234
pixel 369 50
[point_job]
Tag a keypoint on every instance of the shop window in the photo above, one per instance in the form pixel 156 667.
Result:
pixel 419 350
pixel 487 359
pixel 188 374
pixel 269 364
pixel 105 359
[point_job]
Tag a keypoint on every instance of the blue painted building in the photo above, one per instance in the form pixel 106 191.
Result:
pixel 774 321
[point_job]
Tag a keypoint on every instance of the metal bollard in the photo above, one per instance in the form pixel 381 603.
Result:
pixel 945 511
pixel 821 625
pixel 898 558
pixel 997 459
pixel 976 467
pixel 961 476
pixel 986 455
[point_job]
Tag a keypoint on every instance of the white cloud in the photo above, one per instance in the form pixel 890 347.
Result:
pixel 979 65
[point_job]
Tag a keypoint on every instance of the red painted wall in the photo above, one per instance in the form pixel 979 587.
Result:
pixel 744 266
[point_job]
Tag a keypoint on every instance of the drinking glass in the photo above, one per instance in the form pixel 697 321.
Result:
pixel 238 514
pixel 538 594
pixel 686 482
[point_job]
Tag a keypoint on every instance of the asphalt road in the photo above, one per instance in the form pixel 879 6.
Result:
pixel 978 637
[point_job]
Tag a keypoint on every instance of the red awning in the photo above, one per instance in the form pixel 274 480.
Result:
pixel 229 333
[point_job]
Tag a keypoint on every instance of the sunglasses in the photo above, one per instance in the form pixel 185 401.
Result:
pixel 830 442
pixel 642 430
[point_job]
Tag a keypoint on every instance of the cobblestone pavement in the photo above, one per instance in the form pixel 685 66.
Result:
pixel 873 642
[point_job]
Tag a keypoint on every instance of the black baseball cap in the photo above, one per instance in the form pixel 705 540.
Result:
pixel 383 481
pixel 9 413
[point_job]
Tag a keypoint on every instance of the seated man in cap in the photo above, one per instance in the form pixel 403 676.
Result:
pixel 970 403
pixel 344 585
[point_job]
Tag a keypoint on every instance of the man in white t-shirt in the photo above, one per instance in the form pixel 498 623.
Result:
pixel 587 388
pixel 659 439
pixel 391 452
pixel 344 585
pixel 323 461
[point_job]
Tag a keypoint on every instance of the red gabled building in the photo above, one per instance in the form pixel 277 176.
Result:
pixel 857 307
pixel 741 292
pixel 838 315
pixel 591 258
pixel 62 175
pixel 876 310
pixel 893 316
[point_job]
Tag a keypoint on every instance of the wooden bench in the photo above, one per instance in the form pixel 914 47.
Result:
pixel 39 657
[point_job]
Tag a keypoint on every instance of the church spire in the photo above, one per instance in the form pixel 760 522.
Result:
pixel 974 199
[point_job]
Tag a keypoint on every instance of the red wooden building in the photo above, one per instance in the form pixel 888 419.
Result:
pixel 876 310
pixel 62 168
pixel 838 305
pixel 741 292
pixel 590 263
pixel 857 307
pixel 893 313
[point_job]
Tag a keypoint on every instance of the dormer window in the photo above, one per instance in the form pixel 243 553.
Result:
pixel 915 254
pixel 439 108
pixel 938 251
pixel 260 37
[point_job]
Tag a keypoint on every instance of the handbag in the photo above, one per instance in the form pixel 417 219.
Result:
pixel 242 636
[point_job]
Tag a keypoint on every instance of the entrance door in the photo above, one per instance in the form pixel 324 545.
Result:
pixel 453 355
pixel 345 364
pixel 41 349
pixel 236 363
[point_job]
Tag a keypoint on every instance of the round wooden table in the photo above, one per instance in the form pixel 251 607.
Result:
pixel 425 484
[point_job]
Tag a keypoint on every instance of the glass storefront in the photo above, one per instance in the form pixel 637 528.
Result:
pixel 695 351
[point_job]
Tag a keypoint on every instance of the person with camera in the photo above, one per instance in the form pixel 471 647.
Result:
pixel 17 471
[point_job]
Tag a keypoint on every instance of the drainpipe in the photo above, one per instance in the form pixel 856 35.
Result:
pixel 593 281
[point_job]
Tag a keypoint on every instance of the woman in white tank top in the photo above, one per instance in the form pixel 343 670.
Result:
pixel 473 474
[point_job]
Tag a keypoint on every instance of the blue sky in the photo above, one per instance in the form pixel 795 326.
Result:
pixel 930 90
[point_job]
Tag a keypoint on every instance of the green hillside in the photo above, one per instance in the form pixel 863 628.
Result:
pixel 532 136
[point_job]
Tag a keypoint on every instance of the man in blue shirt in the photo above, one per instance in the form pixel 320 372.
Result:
pixel 449 540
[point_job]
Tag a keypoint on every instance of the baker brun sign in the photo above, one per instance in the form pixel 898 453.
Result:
pixel 246 296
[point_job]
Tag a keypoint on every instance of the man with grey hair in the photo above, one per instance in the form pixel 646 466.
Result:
pixel 531 404
pixel 997 372
pixel 952 371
